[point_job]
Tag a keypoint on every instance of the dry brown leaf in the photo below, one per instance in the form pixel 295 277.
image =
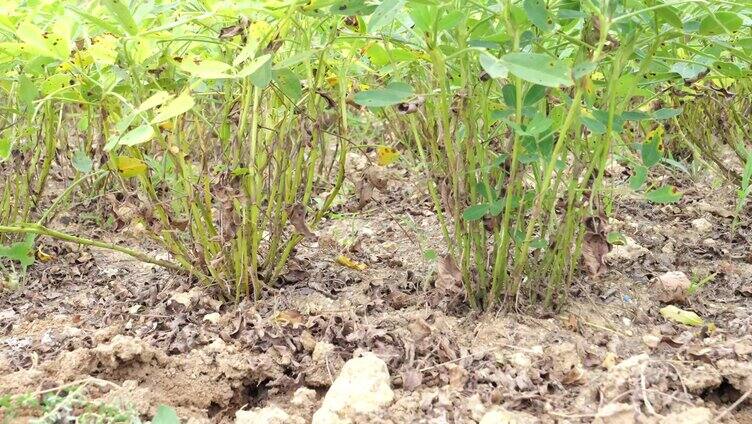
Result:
pixel 672 287
pixel 364 189
pixel 375 176
pixel 298 220
pixel 419 330
pixel 594 250
pixel 288 317
pixel 458 376
pixel 411 379
pixel 449 276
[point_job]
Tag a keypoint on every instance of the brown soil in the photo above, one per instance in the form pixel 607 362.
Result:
pixel 91 315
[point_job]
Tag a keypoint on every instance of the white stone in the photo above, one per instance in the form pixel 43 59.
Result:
pixel 268 415
pixel 702 225
pixel 363 386
pixel 303 396
pixel 629 251
pixel 697 415
pixel 499 415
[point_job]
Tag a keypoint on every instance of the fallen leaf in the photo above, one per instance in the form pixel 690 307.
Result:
pixel 183 298
pixel 419 329
pixel 345 261
pixel 449 276
pixel 672 313
pixel 386 155
pixel 672 287
pixel 411 379
pixel 609 361
pixel 43 256
pixel 288 317
pixel 594 249
pixel 298 220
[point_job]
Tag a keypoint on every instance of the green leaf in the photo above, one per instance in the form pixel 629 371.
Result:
pixel 165 415
pixel 651 150
pixel 509 94
pixel 595 126
pixel 21 252
pixel 82 162
pixel 5 148
pixel 27 91
pixel 136 136
pixel 583 69
pixel 534 94
pixel 638 179
pixel 720 23
pixel 475 212
pixel 673 313
pixel 122 15
pixel 180 104
pixel 259 71
pixel 670 15
pixel 392 94
pixel 154 100
pixel 728 69
pixel 450 20
pixel 538 14
pixel 616 238
pixel 666 113
pixel 289 84
pixel 539 69
pixel 538 124
pixel 206 68
pixel 665 194
pixel 384 14
pixel 493 66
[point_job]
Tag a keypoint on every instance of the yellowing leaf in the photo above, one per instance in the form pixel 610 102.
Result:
pixel 345 261
pixel 130 167
pixel 288 317
pixel 386 155
pixel 43 256
pixel 673 313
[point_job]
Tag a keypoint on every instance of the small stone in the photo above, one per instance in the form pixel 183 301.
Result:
pixel 651 340
pixel 615 413
pixel 672 287
pixel 268 415
pixel 627 252
pixel 702 225
pixel 363 386
pixel 499 415
pixel 697 415
pixel 303 396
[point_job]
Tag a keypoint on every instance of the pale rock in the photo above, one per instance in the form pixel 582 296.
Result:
pixel 627 252
pixel 363 386
pixel 651 340
pixel 268 415
pixel 696 415
pixel 303 397
pixel 672 287
pixel 615 413
pixel 212 317
pixel 325 363
pixel 619 378
pixel 499 415
pixel 476 407
pixel 702 225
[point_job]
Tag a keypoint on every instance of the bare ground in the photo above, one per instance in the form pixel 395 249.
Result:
pixel 93 316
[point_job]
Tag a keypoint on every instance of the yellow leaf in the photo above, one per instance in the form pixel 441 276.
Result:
pixel 288 317
pixel 345 261
pixel 673 313
pixel 42 255
pixel 386 155
pixel 130 167
pixel 166 126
